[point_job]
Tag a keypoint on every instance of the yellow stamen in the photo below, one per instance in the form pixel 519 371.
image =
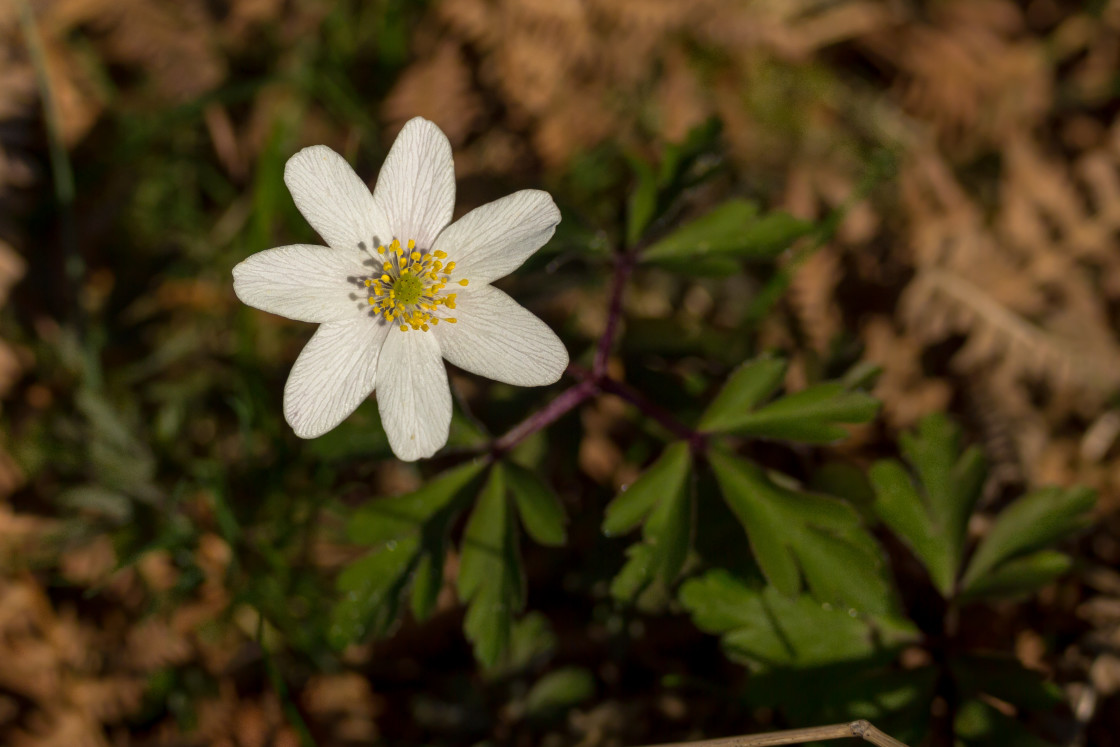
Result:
pixel 410 290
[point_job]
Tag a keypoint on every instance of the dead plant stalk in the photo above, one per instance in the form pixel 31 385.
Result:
pixel 862 729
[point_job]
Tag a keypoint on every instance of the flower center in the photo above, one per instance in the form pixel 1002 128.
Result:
pixel 408 288
pixel 411 286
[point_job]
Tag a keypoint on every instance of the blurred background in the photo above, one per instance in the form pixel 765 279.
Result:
pixel 167 544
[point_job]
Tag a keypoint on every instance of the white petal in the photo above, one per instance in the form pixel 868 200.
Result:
pixel 413 395
pixel 416 187
pixel 303 282
pixel 493 240
pixel 335 200
pixel 498 338
pixel 333 374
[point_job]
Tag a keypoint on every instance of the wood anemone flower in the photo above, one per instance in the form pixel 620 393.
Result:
pixel 399 287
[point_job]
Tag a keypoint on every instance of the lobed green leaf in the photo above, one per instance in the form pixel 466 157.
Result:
pixel 931 514
pixel 370 589
pixel 490 576
pixel 665 476
pixel 662 498
pixel 771 630
pixel 386 519
pixel 747 386
pixel 1030 523
pixel 795 534
pixel 540 509
pixel 731 230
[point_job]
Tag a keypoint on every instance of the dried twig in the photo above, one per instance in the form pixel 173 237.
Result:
pixel 863 729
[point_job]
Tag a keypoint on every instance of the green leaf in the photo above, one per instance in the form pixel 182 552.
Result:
pixel 636 573
pixel 668 531
pixel 732 230
pixel 490 578
pixel 660 495
pixel 663 550
pixel 901 508
pixel 980 724
pixel 810 416
pixel 931 514
pixel 747 386
pixel 635 502
pixel 386 519
pixel 795 534
pixel 1030 523
pixel 532 640
pixel 642 204
pixel 774 233
pixel 717 232
pixel 679 158
pixel 426 584
pixel 1021 575
pixel 559 691
pixel 370 589
pixel 541 513
pixel 768 629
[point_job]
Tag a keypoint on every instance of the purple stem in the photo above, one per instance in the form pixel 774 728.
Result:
pixel 624 265
pixel 597 380
pixel 568 400
pixel 653 410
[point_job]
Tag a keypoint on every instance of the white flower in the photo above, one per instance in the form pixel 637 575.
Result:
pixel 398 288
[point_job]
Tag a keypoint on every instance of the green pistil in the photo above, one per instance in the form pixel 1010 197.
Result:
pixel 408 289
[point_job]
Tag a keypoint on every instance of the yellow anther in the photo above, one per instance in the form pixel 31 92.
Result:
pixel 464 282
pixel 410 290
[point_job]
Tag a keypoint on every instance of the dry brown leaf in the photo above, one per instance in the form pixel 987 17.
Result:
pixel 907 394
pixel 437 87
pixel 153 644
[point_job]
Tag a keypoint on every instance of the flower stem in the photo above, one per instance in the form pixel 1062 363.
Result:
pixel 624 265
pixel 568 400
pixel 655 411
pixel 597 381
